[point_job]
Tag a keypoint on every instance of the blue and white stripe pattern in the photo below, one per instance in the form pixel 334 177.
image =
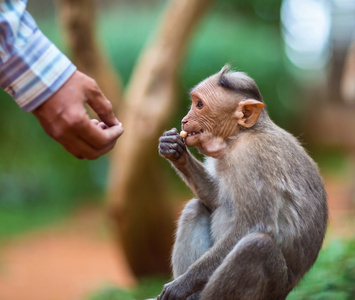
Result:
pixel 32 68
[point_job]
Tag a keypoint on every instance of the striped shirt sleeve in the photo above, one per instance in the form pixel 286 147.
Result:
pixel 32 68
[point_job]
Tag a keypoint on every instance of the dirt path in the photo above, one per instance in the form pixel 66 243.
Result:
pixel 72 260
pixel 67 262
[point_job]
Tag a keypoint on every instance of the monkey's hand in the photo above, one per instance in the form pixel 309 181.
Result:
pixel 175 290
pixel 172 147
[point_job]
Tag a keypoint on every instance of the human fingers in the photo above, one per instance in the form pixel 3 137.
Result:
pixel 82 137
pixel 98 123
pixel 95 121
pixel 81 149
pixel 98 136
pixel 87 139
pixel 99 103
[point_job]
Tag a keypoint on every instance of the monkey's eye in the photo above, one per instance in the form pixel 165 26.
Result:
pixel 199 104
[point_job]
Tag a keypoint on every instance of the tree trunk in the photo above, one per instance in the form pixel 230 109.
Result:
pixel 78 18
pixel 139 206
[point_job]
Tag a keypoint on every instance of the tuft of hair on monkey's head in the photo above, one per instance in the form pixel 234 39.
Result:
pixel 240 83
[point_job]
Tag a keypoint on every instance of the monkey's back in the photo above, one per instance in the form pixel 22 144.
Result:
pixel 277 190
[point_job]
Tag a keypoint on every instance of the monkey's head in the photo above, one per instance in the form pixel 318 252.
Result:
pixel 222 105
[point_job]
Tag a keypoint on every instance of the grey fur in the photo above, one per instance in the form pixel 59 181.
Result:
pixel 259 217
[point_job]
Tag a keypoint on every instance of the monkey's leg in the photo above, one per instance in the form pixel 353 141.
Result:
pixel 195 296
pixel 192 237
pixel 254 269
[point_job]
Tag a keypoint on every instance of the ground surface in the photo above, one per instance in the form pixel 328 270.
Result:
pixel 66 262
pixel 76 258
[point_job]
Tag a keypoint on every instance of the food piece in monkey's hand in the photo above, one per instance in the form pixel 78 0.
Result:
pixel 183 134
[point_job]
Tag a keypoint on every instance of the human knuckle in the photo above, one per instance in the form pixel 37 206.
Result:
pixel 74 123
pixel 104 107
pixel 91 87
pixel 73 119
pixel 56 133
pixel 92 83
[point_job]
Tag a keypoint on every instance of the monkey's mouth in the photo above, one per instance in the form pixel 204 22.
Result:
pixel 193 137
pixel 192 133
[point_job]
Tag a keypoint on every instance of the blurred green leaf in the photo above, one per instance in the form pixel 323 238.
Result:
pixel 332 276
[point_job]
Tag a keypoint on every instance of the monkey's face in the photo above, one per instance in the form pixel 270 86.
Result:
pixel 220 107
pixel 212 118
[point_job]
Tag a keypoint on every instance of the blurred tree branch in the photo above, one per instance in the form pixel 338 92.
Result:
pixel 136 193
pixel 78 19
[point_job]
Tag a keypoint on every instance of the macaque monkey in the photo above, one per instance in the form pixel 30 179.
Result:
pixel 260 213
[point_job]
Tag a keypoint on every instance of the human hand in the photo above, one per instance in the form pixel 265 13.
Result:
pixel 64 117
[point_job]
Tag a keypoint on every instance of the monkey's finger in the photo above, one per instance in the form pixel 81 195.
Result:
pixel 176 146
pixel 172 139
pixel 171 150
pixel 161 296
pixel 169 139
pixel 168 151
pixel 171 155
pixel 172 131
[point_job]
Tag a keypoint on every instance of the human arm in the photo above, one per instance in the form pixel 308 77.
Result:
pixel 32 68
pixel 42 80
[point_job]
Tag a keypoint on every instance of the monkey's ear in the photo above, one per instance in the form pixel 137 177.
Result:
pixel 248 112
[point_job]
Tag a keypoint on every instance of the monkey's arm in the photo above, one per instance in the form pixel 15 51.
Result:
pixel 192 171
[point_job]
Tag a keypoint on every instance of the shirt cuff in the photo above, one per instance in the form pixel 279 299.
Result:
pixel 35 72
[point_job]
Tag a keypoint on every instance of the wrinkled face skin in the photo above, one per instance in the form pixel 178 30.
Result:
pixel 212 117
